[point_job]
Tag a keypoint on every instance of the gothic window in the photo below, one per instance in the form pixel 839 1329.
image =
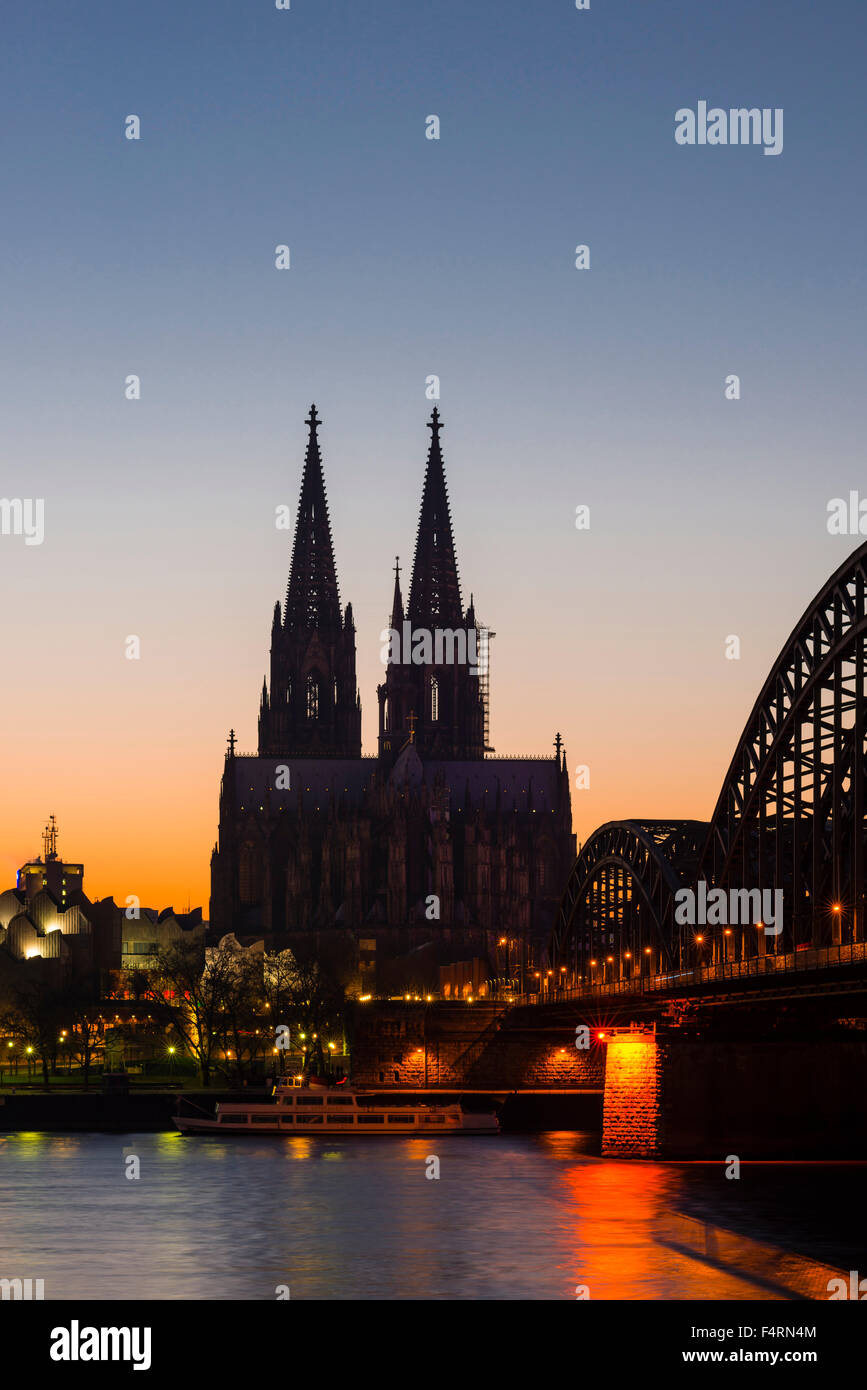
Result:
pixel 335 692
pixel 312 697
pixel 247 866
pixel 434 699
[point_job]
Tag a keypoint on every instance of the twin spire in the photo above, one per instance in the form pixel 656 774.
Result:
pixel 312 708
pixel 313 597
pixel 435 589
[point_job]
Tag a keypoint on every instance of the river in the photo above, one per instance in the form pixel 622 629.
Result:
pixel 511 1217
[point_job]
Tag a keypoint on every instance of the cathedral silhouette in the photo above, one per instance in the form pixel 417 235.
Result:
pixel 432 848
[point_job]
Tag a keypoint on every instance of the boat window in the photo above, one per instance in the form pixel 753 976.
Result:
pixel 264 1119
pixel 340 1100
pixel 339 1119
pixel 235 1119
pixel 308 1100
pixel 288 1119
pixel 372 1119
pixel 434 1119
pixel 308 1119
pixel 400 1119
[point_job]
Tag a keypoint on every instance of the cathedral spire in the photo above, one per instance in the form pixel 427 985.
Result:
pixel 312 596
pixel 435 590
pixel 435 693
pixel 311 708
pixel 397 601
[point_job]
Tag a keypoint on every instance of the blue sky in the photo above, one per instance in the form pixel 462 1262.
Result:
pixel 412 257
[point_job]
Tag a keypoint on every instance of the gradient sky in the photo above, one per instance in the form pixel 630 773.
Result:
pixel 412 257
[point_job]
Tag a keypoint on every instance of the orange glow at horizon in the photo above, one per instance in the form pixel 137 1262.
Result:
pixel 128 754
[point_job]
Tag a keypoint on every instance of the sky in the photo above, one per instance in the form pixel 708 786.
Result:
pixel 409 257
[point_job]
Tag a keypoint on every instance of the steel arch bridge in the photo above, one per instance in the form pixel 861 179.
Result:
pixel 790 817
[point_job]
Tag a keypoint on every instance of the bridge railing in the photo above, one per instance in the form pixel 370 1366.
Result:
pixel 818 958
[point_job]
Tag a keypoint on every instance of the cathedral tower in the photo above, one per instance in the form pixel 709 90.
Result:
pixel 313 710
pixel 432 694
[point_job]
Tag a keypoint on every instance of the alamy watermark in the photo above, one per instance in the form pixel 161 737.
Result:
pixel 855 1289
pixel 444 646
pixel 738 126
pixel 847 516
pixel 23 516
pixel 77 1343
pixel 25 1289
pixel 757 907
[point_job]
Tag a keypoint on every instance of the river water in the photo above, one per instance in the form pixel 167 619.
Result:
pixel 510 1217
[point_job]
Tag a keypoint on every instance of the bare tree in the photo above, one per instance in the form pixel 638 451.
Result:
pixel 192 994
pixel 33 1017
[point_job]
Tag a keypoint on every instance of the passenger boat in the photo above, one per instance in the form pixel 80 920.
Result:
pixel 315 1110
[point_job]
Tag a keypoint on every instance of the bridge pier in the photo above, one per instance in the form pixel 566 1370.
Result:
pixel 679 1098
pixel 633 1097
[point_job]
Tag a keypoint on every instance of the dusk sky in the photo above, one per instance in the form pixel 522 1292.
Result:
pixel 412 257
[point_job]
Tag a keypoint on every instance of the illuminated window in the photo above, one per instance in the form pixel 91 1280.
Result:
pixel 312 698
pixel 434 699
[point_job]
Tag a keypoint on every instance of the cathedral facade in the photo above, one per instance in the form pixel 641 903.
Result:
pixel 433 846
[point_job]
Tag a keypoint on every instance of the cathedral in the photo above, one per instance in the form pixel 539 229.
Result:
pixel 432 850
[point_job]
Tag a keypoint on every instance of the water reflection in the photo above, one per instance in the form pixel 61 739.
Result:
pixel 521 1216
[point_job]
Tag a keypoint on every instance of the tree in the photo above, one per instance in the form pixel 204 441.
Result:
pixel 81 1006
pixel 313 998
pixel 192 994
pixel 34 1015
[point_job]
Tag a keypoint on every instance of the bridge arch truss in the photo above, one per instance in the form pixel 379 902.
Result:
pixel 791 817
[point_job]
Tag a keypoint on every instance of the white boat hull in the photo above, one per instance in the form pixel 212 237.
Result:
pixel 339 1111
pixel 468 1124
